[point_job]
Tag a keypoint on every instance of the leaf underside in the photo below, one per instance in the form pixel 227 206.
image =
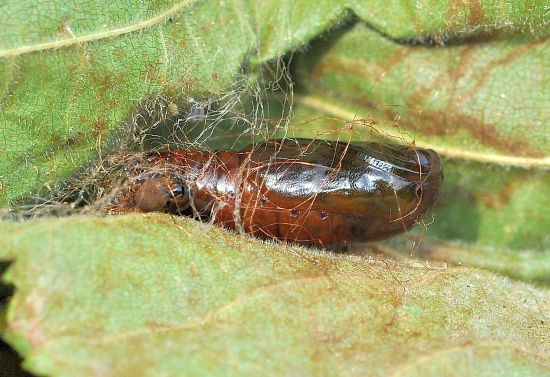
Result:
pixel 161 294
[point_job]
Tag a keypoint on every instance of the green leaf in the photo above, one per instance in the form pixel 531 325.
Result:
pixel 484 100
pixel 159 295
pixel 64 105
pixel 119 295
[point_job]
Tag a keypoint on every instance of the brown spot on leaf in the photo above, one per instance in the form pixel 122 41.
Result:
pixel 476 15
pixel 103 83
pixel 60 143
pixel 499 199
pixel 99 128
pixel 151 72
pixel 442 122
pixel 458 9
pixel 460 69
pixel 28 322
pixel 356 67
pixel 154 325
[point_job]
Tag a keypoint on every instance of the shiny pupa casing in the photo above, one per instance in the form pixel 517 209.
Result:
pixel 310 192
